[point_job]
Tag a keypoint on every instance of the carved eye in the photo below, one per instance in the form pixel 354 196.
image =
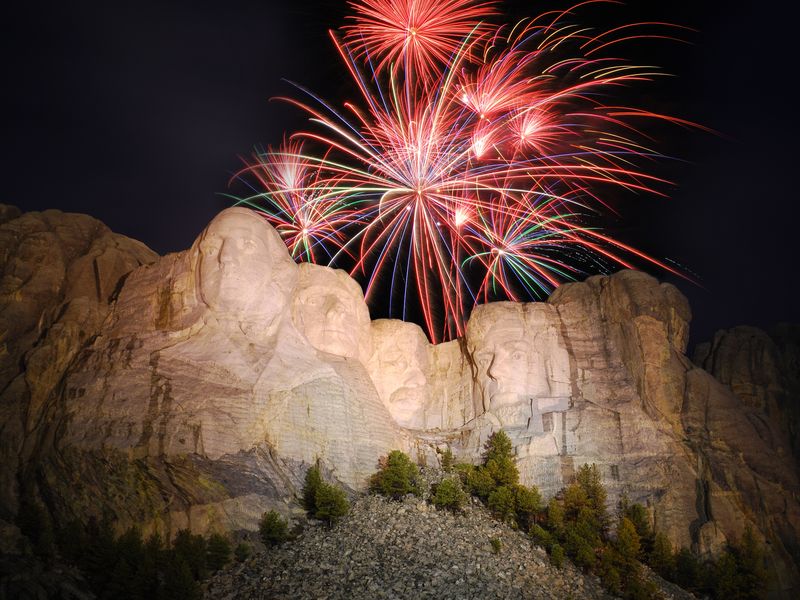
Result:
pixel 209 249
pixel 517 355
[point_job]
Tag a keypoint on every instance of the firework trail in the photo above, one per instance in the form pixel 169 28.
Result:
pixel 472 162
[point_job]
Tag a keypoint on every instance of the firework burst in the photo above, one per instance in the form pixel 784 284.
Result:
pixel 471 166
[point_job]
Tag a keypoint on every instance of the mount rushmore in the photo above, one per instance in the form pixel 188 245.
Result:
pixel 195 389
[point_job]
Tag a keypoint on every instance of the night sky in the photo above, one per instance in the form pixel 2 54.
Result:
pixel 137 112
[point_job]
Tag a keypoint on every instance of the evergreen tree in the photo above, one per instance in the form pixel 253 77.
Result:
pixel 557 556
pixel 480 483
pixel 331 503
pixel 242 552
pixel 555 517
pixel 273 528
pixel 662 559
pixel 502 502
pixel 191 549
pixel 542 537
pixel 179 584
pixel 627 545
pixel 575 500
pixel 687 569
pixel 528 504
pixel 637 514
pixel 312 482
pixel 498 447
pixel 750 559
pixel 588 477
pixel 397 477
pixel 218 552
pixel 447 460
pixel 120 581
pixel 449 495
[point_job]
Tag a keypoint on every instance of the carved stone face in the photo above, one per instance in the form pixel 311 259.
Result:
pixel 328 308
pixel 238 253
pixel 398 368
pixel 502 355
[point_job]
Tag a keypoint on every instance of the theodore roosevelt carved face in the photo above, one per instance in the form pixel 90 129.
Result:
pixel 328 308
pixel 398 367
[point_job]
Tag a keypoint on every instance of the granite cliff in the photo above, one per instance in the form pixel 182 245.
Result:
pixel 194 389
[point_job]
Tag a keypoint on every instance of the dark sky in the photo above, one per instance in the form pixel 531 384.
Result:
pixel 136 113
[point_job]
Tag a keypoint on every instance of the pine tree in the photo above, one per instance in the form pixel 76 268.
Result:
pixel 555 517
pixel 502 502
pixel 662 559
pixel 273 528
pixel 312 482
pixel 191 549
pixel 397 477
pixel 331 503
pixel 528 504
pixel 218 552
pixel 447 460
pixel 588 477
pixel 628 545
pixel 449 495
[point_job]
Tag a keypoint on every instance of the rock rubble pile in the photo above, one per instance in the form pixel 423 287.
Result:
pixel 408 549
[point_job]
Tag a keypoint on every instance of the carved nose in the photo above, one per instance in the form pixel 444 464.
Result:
pixel 227 254
pixel 334 309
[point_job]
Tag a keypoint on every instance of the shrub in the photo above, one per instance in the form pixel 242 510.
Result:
pixel 497 545
pixel 331 503
pixel 449 495
pixel 557 556
pixel 312 482
pixel 242 552
pixel 502 502
pixel 218 551
pixel 397 476
pixel 273 528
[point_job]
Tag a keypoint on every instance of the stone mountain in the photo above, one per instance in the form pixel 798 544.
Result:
pixel 195 389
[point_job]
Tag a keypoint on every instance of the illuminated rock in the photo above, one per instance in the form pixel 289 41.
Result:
pixel 399 365
pixel 328 308
pixel 195 389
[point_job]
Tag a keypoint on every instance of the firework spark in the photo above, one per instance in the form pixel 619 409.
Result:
pixel 468 171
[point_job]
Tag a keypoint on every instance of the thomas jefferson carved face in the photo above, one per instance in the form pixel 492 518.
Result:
pixel 240 257
pixel 328 308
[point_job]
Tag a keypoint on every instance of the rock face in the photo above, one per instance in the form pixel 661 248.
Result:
pixel 58 274
pixel 196 389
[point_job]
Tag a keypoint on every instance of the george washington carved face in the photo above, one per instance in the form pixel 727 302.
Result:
pixel 243 269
